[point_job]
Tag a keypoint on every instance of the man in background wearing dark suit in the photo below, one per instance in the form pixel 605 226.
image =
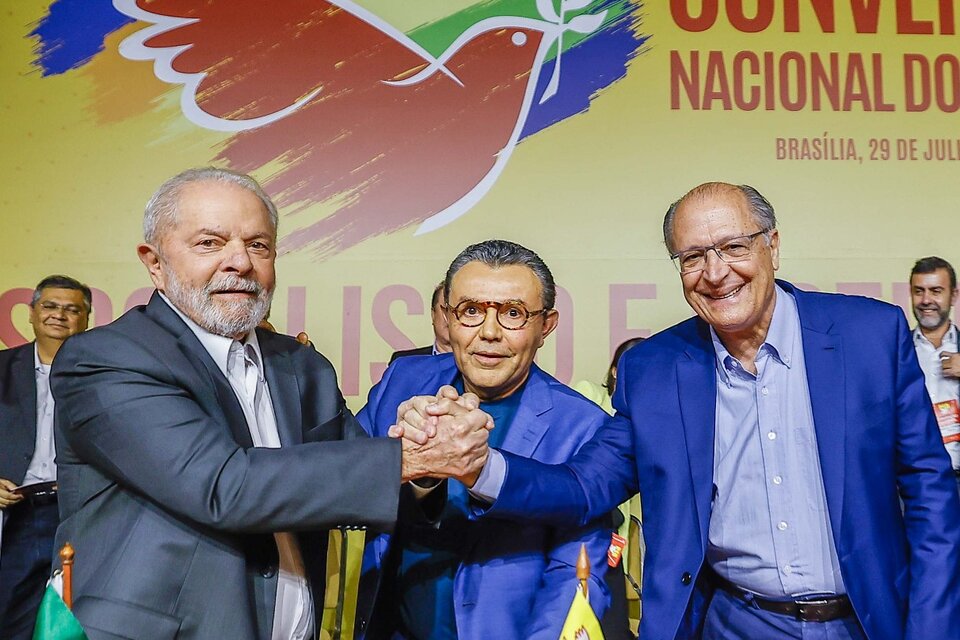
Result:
pixel 441 331
pixel 60 308
pixel 202 460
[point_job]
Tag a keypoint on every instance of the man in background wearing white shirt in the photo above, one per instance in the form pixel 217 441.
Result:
pixel 59 309
pixel 933 291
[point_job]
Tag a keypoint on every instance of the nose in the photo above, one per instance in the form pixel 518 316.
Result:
pixel 714 269
pixel 236 259
pixel 491 329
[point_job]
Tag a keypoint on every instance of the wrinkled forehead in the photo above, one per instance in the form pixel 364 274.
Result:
pixel 936 278
pixel 62 296
pixel 481 282
pixel 222 206
pixel 712 217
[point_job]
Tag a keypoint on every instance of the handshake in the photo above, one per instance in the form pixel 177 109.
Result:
pixel 442 436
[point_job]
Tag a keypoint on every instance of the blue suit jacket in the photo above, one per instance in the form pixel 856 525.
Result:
pixel 517 580
pixel 878 442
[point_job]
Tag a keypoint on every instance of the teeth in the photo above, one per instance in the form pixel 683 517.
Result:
pixel 732 293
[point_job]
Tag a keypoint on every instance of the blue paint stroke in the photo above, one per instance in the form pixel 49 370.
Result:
pixel 593 64
pixel 73 32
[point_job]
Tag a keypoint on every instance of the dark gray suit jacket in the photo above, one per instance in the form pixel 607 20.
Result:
pixel 168 505
pixel 18 411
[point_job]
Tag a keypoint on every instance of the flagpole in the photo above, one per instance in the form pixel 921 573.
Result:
pixel 66 559
pixel 583 568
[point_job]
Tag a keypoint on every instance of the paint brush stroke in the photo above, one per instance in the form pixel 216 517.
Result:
pixel 73 32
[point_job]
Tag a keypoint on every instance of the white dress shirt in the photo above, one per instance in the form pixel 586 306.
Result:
pixel 941 388
pixel 242 365
pixel 42 467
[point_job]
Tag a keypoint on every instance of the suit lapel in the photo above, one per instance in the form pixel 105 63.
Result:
pixel 528 427
pixel 823 353
pixel 203 372
pixel 26 385
pixel 697 386
pixel 284 390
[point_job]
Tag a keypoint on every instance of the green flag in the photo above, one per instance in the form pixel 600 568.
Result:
pixel 54 620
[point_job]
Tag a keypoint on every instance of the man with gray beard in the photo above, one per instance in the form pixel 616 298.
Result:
pixel 933 291
pixel 201 459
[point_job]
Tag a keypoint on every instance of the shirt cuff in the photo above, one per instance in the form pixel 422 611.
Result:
pixel 488 485
pixel 420 492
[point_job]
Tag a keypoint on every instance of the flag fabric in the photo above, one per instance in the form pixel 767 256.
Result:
pixel 54 620
pixel 581 623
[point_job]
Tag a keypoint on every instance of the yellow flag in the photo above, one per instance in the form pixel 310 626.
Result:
pixel 582 623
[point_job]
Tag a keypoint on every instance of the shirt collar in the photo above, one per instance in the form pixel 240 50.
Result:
pixel 949 337
pixel 780 341
pixel 37 365
pixel 217 346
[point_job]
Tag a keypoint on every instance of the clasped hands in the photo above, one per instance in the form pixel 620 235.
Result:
pixel 443 436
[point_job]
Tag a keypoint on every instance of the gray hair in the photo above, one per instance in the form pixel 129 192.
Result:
pixel 759 207
pixel 161 211
pixel 498 253
pixel 63 282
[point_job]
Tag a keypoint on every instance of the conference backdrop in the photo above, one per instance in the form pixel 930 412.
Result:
pixel 392 134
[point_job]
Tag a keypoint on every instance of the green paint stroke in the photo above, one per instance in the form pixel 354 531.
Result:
pixel 436 36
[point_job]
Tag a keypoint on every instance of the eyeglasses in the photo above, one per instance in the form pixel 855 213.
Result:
pixel 730 250
pixel 68 309
pixel 511 315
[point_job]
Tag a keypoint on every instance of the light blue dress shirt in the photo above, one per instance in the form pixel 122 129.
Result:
pixel 769 530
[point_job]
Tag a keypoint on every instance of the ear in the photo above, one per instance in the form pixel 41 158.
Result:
pixel 83 324
pixel 150 257
pixel 550 319
pixel 32 313
pixel 775 248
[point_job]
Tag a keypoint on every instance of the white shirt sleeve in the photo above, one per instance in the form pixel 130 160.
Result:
pixel 488 485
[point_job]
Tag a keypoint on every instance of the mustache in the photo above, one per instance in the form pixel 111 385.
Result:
pixel 233 283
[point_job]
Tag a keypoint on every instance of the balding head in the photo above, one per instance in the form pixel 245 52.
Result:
pixel 758 206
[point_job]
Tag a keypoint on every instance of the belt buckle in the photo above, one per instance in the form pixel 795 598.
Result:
pixel 818 613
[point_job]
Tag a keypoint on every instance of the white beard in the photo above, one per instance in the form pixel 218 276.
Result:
pixel 223 318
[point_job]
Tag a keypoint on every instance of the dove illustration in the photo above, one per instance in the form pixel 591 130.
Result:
pixel 328 103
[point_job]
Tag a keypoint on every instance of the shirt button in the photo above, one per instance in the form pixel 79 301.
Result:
pixel 777 479
pixel 787 569
pixel 771 435
pixel 268 571
pixel 782 525
pixel 686 578
pixel 764 391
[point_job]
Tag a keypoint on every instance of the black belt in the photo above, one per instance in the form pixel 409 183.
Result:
pixel 814 610
pixel 39 494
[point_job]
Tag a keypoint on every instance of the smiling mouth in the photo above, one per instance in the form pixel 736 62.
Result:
pixel 728 295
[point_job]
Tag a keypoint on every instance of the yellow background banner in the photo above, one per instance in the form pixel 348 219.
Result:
pixel 844 114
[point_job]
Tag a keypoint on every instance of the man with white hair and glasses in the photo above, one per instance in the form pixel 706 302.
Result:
pixel 793 480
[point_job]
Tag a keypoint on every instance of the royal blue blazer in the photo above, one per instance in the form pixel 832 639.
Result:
pixel 517 579
pixel 878 443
